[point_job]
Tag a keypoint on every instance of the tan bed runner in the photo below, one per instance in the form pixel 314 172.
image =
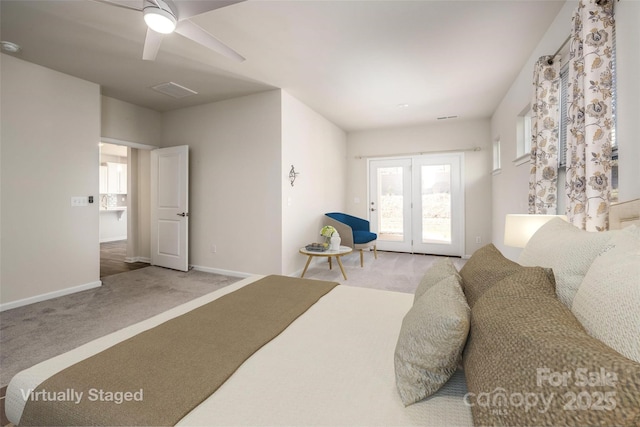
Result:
pixel 170 369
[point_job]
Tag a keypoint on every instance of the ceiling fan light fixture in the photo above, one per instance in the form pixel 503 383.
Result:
pixel 159 20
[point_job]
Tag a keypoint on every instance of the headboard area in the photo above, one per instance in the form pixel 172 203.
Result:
pixel 624 214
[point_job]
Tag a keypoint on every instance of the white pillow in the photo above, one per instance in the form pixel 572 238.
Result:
pixel 431 340
pixel 568 251
pixel 608 300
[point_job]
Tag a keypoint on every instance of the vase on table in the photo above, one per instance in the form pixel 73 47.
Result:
pixel 335 240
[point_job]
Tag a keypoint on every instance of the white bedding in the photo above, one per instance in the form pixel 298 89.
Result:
pixel 332 366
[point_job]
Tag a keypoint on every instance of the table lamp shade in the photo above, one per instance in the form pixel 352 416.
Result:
pixel 519 228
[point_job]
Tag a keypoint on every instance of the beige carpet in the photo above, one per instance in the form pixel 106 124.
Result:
pixel 392 271
pixel 33 333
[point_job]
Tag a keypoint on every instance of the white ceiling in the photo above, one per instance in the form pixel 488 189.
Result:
pixel 353 62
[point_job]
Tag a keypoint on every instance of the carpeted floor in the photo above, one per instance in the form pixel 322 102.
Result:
pixel 392 271
pixel 33 333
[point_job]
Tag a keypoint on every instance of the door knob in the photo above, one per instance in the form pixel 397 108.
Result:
pixel 183 214
pixel 372 209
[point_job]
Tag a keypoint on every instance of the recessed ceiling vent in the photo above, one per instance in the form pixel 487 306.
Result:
pixel 174 90
pixel 447 117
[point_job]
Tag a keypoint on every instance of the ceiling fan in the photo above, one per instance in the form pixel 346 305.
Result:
pixel 166 16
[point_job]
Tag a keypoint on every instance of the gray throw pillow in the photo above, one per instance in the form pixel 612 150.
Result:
pixel 438 271
pixel 431 340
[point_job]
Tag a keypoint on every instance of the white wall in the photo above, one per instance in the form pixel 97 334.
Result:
pixel 128 122
pixel 628 69
pixel 456 134
pixel 50 133
pixel 317 149
pixel 235 177
pixel 510 187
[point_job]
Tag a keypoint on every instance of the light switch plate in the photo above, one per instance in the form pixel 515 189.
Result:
pixel 79 201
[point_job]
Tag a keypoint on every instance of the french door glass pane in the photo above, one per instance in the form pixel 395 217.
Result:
pixel 436 204
pixel 390 209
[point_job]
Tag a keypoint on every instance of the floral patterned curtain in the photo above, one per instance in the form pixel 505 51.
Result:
pixel 543 178
pixel 590 119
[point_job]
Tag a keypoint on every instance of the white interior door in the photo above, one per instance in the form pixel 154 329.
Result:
pixel 170 207
pixel 417 204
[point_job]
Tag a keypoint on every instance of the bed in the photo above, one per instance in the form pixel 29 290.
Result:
pixel 334 366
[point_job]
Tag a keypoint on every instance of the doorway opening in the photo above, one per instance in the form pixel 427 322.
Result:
pixel 114 207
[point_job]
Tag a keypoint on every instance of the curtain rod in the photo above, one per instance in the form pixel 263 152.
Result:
pixel 550 60
pixel 419 153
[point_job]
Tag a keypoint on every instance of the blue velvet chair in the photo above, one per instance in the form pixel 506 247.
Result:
pixel 354 232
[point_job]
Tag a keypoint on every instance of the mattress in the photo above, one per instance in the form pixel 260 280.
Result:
pixel 331 366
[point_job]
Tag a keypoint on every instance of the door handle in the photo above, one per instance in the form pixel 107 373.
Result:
pixel 183 214
pixel 372 209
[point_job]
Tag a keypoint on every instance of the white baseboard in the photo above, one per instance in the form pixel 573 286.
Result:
pixel 466 256
pixel 49 295
pixel 138 259
pixel 113 239
pixel 221 271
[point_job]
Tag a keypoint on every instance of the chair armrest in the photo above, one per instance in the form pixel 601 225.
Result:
pixel 359 223
pixel 346 233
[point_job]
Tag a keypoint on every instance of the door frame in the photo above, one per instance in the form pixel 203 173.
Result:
pixel 132 226
pixel 460 249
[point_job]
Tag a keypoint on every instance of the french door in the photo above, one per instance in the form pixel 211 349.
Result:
pixel 416 204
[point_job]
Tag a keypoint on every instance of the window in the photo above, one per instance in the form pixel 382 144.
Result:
pixel 496 155
pixel 523 148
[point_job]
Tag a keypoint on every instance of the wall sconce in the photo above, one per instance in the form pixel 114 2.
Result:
pixel 292 175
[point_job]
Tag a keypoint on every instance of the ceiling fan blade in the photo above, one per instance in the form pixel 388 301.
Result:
pixel 187 8
pixel 151 45
pixel 198 35
pixel 126 4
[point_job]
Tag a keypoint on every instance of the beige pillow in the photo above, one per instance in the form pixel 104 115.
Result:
pixel 431 340
pixel 438 271
pixel 485 268
pixel 567 250
pixel 524 344
pixel 608 300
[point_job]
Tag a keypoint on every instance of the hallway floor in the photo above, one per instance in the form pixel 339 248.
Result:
pixel 112 259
